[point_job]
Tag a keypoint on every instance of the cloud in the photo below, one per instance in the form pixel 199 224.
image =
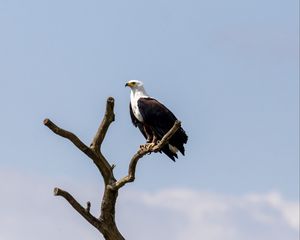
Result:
pixel 30 211
pixel 288 211
pixel 213 216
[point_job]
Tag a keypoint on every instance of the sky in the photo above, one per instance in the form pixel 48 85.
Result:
pixel 229 70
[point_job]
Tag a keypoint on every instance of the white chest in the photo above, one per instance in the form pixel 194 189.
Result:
pixel 135 109
pixel 135 95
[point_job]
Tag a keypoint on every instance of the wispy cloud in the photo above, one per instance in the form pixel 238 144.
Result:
pixel 29 211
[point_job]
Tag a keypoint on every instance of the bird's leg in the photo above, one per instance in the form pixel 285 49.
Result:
pixel 154 139
pixel 148 139
pixel 149 136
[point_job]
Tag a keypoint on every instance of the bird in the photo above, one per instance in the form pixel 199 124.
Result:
pixel 154 120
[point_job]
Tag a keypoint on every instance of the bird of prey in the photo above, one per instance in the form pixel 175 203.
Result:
pixel 154 120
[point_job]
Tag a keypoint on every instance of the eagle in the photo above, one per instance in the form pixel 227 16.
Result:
pixel 154 120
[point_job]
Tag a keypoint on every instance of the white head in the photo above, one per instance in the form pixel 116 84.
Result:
pixel 137 89
pixel 134 84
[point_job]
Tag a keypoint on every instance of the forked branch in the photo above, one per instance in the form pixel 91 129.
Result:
pixel 92 152
pixel 81 210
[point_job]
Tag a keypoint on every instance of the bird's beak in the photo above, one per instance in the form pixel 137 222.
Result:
pixel 127 85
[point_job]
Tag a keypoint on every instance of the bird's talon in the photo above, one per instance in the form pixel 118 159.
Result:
pixel 149 146
pixel 144 146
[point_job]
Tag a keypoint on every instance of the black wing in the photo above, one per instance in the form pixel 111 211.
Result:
pixel 140 125
pixel 161 120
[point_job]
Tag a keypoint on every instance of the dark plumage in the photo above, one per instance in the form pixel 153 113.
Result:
pixel 154 120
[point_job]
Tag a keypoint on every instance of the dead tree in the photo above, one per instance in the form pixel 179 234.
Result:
pixel 105 223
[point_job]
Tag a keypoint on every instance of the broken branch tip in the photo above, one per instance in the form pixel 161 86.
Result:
pixel 55 191
pixel 46 121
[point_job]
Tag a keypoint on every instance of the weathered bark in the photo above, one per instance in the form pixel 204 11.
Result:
pixel 105 223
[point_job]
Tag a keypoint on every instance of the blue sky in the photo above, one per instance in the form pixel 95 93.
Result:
pixel 228 70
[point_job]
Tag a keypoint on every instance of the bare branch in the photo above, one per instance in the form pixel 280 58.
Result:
pixel 99 160
pixel 108 118
pixel 71 136
pixel 81 210
pixel 148 148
